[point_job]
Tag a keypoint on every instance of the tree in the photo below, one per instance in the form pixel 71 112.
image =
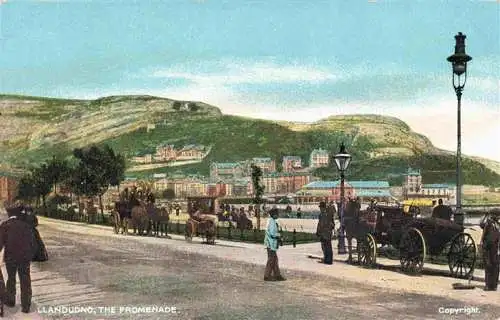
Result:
pixel 77 183
pixel 258 191
pixel 41 182
pixel 98 168
pixel 26 189
pixel 116 166
pixel 58 170
pixel 168 194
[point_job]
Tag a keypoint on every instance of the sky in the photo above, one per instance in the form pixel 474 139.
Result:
pixel 296 60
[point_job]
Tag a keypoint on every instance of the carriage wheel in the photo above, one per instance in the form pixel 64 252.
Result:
pixel 462 256
pixel 367 251
pixel 412 251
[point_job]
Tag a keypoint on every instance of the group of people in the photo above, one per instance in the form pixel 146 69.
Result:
pixel 135 196
pixel 22 244
pixel 230 211
pixel 490 240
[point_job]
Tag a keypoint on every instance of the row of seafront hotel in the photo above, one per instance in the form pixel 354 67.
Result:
pixel 303 186
pixel 233 180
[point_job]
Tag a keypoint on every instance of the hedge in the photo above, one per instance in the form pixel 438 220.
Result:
pixel 228 232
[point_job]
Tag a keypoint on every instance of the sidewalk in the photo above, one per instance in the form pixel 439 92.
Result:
pixel 295 260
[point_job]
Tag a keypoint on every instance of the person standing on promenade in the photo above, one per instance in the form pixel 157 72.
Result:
pixel 16 238
pixel 272 242
pixel 324 231
pixel 490 244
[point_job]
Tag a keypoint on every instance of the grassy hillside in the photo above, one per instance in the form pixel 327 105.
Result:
pixel 382 147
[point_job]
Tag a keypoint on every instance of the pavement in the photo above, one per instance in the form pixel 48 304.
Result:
pixel 84 258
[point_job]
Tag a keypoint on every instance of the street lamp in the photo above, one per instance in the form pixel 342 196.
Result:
pixel 342 160
pixel 459 67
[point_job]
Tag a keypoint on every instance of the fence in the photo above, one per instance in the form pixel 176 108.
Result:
pixel 223 231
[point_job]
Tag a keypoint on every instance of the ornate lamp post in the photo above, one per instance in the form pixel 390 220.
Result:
pixel 342 160
pixel 459 67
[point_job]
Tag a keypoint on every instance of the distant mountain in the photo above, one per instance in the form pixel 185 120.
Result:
pixel 382 147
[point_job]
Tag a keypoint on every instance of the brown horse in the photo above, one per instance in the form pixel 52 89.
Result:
pixel 203 225
pixel 140 219
pixel 159 218
pixel 350 223
pixel 121 217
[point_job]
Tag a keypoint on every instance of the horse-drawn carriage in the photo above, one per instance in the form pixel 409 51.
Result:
pixel 143 217
pixel 414 237
pixel 203 220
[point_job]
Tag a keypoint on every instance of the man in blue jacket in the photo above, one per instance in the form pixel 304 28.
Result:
pixel 272 242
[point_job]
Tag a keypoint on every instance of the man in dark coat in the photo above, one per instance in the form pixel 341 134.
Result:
pixel 441 211
pixel 491 250
pixel 324 231
pixel 16 237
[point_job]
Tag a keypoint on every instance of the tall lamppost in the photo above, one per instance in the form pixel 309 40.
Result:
pixel 342 160
pixel 459 67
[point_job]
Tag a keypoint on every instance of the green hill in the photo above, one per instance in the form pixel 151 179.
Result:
pixel 382 147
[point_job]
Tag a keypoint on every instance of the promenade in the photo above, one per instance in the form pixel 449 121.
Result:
pixel 91 266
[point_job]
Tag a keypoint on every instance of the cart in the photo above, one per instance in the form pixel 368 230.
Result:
pixel 416 239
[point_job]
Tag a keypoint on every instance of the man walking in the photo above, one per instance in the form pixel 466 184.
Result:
pixel 272 242
pixel 490 241
pixel 324 231
pixel 16 237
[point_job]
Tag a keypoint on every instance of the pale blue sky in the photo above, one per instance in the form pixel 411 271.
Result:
pixel 292 60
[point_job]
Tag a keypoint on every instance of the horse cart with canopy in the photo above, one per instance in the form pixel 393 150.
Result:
pixel 415 238
pixel 202 218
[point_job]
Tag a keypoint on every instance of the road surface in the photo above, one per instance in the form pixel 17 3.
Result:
pixel 98 270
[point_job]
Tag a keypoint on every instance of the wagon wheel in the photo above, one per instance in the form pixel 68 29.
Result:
pixel 367 251
pixel 462 256
pixel 412 251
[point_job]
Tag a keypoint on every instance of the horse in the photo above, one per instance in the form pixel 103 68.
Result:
pixel 159 218
pixel 140 218
pixel 350 223
pixel 121 217
pixel 201 224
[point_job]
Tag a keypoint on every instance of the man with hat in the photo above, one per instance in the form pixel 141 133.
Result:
pixel 490 241
pixel 272 242
pixel 16 237
pixel 326 225
pixel 442 211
